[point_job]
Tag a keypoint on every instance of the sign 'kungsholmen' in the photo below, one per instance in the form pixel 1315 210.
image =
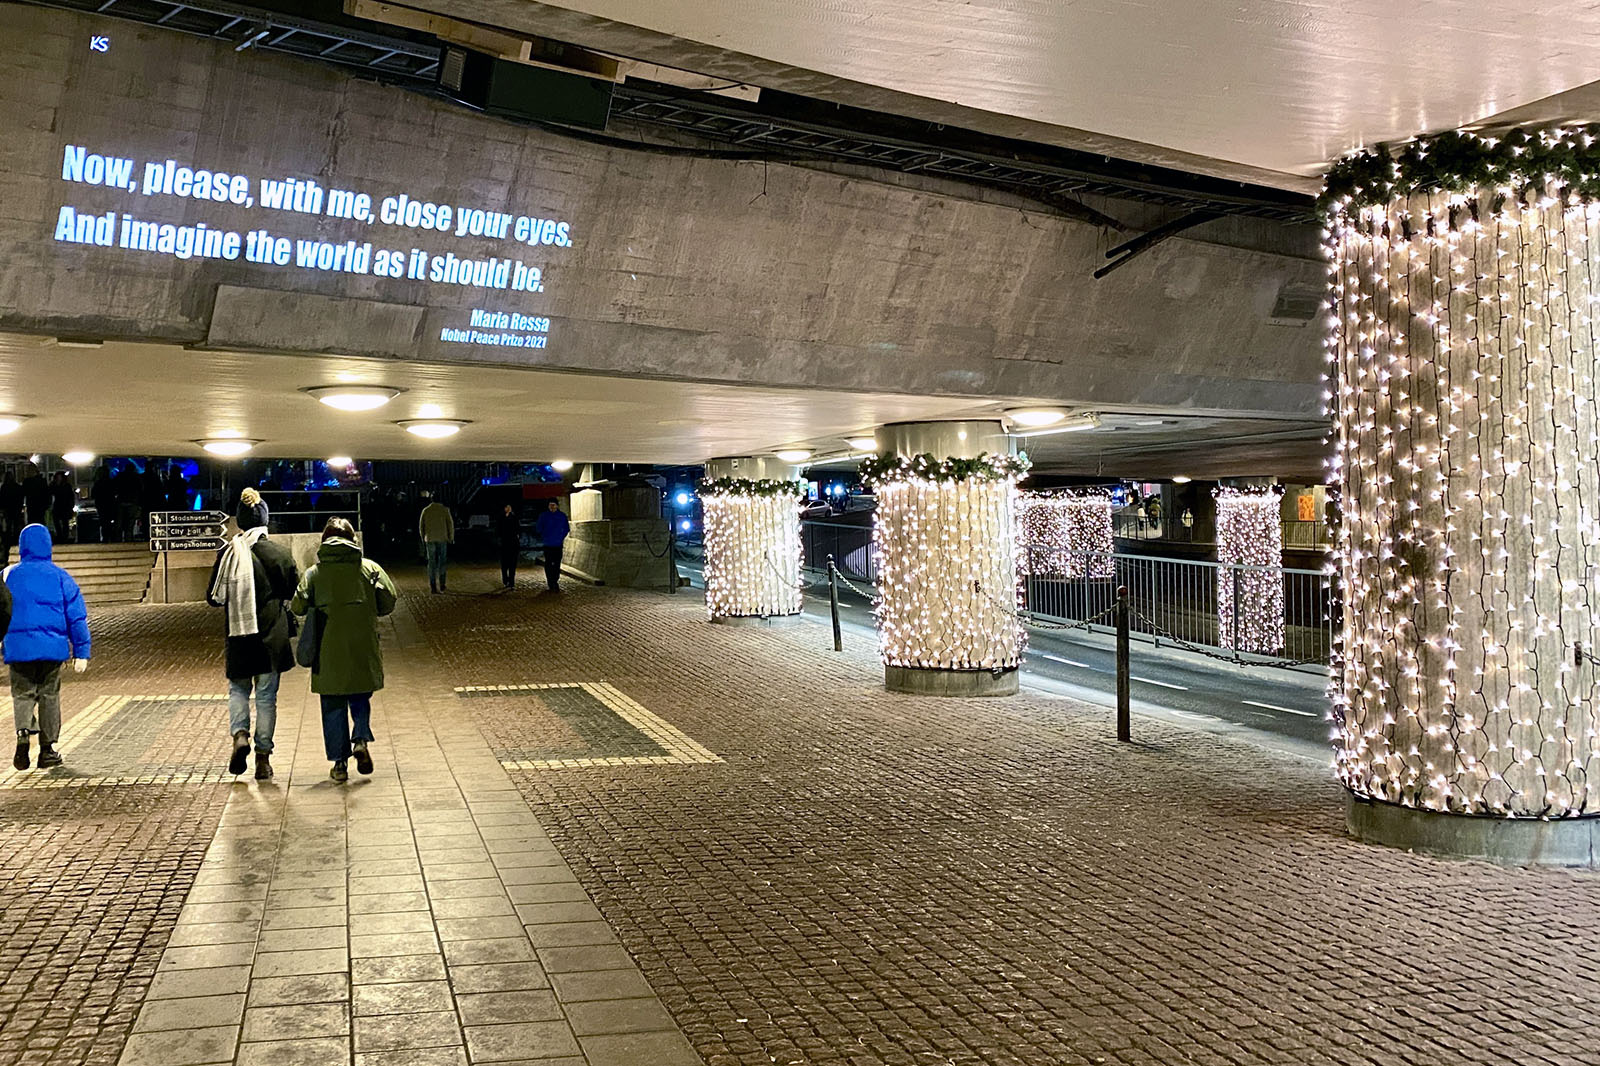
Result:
pixel 405 237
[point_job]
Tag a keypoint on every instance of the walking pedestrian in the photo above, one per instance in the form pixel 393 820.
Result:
pixel 129 520
pixel 36 496
pixel 437 528
pixel 253 580
pixel 553 528
pixel 63 501
pixel 252 510
pixel 177 489
pixel 11 510
pixel 349 594
pixel 509 527
pixel 104 493
pixel 48 626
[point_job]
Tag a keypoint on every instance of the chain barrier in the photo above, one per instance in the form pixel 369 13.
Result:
pixel 839 574
pixel 800 579
pixel 1033 620
pixel 662 554
pixel 1236 659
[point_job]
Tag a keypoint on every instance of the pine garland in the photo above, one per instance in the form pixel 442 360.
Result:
pixel 1567 157
pixel 740 486
pixel 983 467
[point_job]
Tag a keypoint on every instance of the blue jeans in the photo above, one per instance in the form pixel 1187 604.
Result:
pixel 435 551
pixel 337 712
pixel 266 686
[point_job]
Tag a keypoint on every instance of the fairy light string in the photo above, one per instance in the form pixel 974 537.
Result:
pixel 947 547
pixel 1066 533
pixel 1463 370
pixel 1250 601
pixel 752 547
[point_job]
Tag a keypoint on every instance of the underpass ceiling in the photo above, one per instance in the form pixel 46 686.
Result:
pixel 1263 89
pixel 127 398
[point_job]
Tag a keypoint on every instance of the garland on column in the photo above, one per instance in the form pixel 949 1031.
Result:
pixel 752 547
pixel 1250 602
pixel 1066 533
pixel 1465 270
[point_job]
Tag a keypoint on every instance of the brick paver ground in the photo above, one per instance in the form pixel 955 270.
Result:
pixel 864 878
pixel 874 878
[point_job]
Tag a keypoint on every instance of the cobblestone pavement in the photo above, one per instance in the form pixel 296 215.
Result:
pixel 872 878
pixel 92 878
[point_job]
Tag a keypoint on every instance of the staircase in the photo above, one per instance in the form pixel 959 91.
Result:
pixel 108 574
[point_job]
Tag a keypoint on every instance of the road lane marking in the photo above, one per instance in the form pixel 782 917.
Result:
pixel 1163 684
pixel 1069 662
pixel 1194 717
pixel 1285 710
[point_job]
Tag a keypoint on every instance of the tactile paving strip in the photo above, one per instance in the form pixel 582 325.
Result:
pixel 171 739
pixel 594 717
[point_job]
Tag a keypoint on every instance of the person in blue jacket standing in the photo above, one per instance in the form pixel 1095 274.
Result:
pixel 49 625
pixel 553 528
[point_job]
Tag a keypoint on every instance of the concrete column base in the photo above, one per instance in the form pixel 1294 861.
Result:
pixel 1512 841
pixel 755 620
pixel 917 681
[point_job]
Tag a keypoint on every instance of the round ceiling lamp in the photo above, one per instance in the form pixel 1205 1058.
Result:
pixel 433 428
pixel 863 444
pixel 78 458
pixel 1035 417
pixel 561 466
pixel 353 397
pixel 12 423
pixel 227 447
pixel 343 462
pixel 794 455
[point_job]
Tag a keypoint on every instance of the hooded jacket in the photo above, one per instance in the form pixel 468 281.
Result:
pixel 49 622
pixel 352 593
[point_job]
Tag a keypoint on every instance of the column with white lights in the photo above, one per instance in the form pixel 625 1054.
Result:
pixel 1465 272
pixel 945 537
pixel 751 512
pixel 1066 533
pixel 1249 574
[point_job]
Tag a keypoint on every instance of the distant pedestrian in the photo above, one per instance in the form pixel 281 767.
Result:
pixel 509 528
pixel 349 593
pixel 48 626
pixel 12 512
pixel 63 501
pixel 437 528
pixel 252 510
pixel 129 520
pixel 254 579
pixel 177 489
pixel 104 494
pixel 36 496
pixel 553 528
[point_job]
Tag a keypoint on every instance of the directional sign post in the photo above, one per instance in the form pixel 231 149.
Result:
pixel 185 531
pixel 187 544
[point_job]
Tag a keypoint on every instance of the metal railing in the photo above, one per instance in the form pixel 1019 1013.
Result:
pixel 1251 613
pixel 308 510
pixel 850 546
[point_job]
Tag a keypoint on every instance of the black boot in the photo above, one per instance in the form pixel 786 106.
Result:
pixel 241 752
pixel 339 773
pixel 263 766
pixel 363 756
pixel 20 761
pixel 48 756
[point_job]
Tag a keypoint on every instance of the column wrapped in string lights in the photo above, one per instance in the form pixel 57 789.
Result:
pixel 944 532
pixel 1465 271
pixel 1066 533
pixel 752 547
pixel 1250 601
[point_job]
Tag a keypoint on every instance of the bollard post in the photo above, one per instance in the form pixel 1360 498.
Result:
pixel 833 604
pixel 672 561
pixel 1124 725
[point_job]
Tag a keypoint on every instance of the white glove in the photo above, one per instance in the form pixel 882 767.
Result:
pixel 80 665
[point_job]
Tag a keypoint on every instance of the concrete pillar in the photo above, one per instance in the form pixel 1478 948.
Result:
pixel 947 570
pixel 1464 355
pixel 1066 533
pixel 751 509
pixel 1250 600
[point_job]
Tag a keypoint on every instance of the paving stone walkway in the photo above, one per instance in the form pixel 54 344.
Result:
pixel 602 831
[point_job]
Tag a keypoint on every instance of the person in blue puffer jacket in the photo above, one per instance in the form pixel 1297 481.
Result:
pixel 49 625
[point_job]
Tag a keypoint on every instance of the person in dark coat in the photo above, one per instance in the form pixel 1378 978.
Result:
pixel 63 501
pixel 177 489
pixel 36 496
pixel 128 517
pixel 253 580
pixel 350 593
pixel 104 494
pixel 509 529
pixel 11 510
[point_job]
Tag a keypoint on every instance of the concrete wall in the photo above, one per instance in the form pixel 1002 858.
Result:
pixel 679 267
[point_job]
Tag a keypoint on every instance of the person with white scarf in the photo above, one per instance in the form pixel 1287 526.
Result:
pixel 252 580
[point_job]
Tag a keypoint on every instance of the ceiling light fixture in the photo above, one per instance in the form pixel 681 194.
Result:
pixel 78 458
pixel 12 423
pixel 863 444
pixel 561 466
pixel 793 455
pixel 1075 424
pixel 341 461
pixel 353 397
pixel 1181 479
pixel 227 447
pixel 433 428
pixel 1035 417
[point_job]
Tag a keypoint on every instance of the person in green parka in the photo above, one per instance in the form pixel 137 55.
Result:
pixel 351 592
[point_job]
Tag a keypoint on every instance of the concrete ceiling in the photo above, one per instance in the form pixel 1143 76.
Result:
pixel 149 399
pixel 1257 89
